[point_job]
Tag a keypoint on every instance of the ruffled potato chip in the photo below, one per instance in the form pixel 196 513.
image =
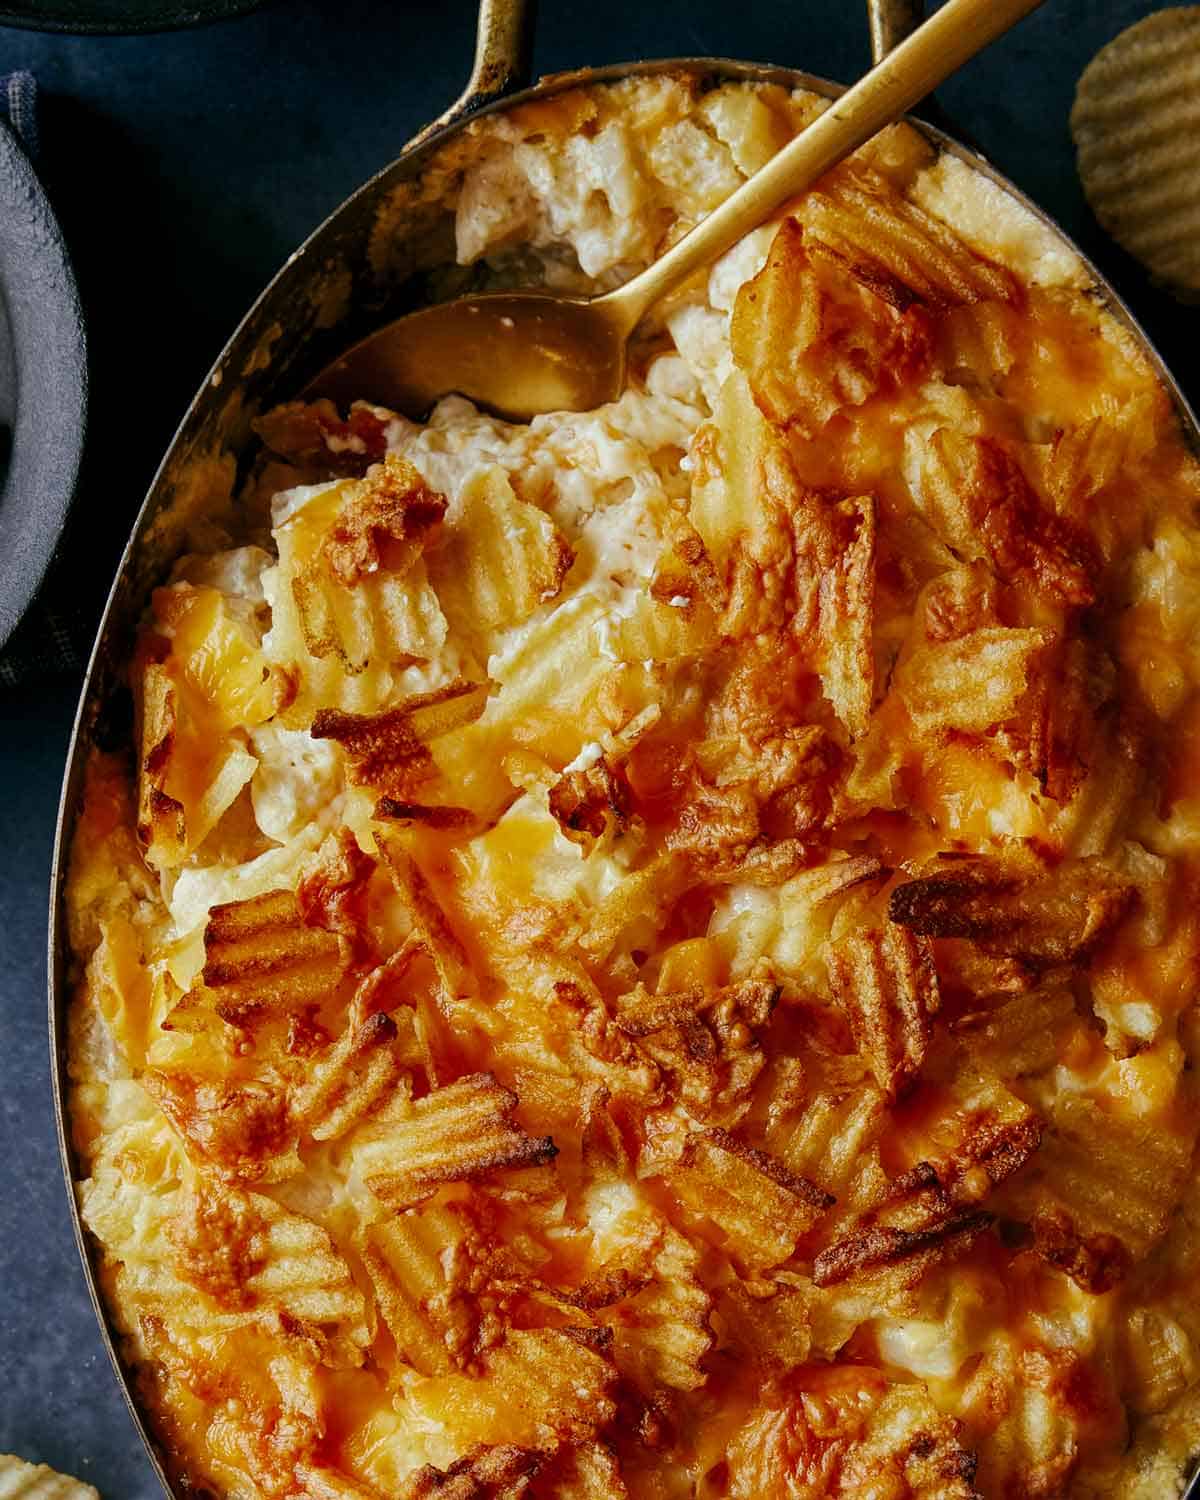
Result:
pixel 1134 123
pixel 24 1481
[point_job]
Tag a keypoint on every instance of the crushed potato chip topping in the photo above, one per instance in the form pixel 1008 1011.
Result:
pixel 654 953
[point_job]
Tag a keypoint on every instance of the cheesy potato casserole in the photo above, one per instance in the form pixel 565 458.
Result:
pixel 653 953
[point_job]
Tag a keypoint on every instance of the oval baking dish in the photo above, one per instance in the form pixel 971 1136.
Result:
pixel 337 287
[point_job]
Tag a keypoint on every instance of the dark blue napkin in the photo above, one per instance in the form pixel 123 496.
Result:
pixel 50 638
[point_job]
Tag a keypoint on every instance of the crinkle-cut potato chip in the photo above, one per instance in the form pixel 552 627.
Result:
pixel 241 1130
pixel 326 1484
pixel 1015 908
pixel 655 952
pixel 786 554
pixel 389 751
pixel 1135 123
pixel 756 1205
pixel 932 1213
pixel 972 684
pixel 974 493
pixel 844 1432
pixel 661 627
pixel 1160 1357
pixel 1087 458
pixel 548 697
pixel 661 1329
pixel 890 1248
pixel 1063 729
pixel 706 1041
pixel 1022 1036
pixel 332 893
pixel 262 957
pixel 358 1073
pixel 421 1266
pixel 25 1481
pixel 885 980
pixel 426 920
pixel 817 335
pixel 198 691
pixel 562 1379
pixel 247 1255
pixel 538 1388
pixel 897 249
pixel 835 564
pixel 499 560
pixel 823 1116
pixel 767 1323
pixel 1100 1191
pixel 454 1134
pixel 583 1471
pixel 910 1443
pixel 502 1472
pixel 351 605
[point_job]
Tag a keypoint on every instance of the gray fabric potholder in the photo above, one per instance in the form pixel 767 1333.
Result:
pixel 52 637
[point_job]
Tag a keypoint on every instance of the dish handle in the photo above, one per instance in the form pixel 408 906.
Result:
pixel 503 54
pixel 891 21
pixel 504 49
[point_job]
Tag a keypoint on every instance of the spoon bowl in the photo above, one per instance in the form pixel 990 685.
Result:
pixel 514 353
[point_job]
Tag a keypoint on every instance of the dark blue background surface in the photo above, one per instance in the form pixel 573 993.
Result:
pixel 185 168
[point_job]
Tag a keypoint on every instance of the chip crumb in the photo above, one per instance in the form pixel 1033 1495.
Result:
pixel 25 1481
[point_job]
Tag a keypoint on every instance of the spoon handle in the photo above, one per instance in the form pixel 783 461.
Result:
pixel 949 38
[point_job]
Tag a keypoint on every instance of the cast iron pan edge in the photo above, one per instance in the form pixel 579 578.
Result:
pixel 119 17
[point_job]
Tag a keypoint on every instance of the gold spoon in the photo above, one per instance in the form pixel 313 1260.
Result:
pixel 522 353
